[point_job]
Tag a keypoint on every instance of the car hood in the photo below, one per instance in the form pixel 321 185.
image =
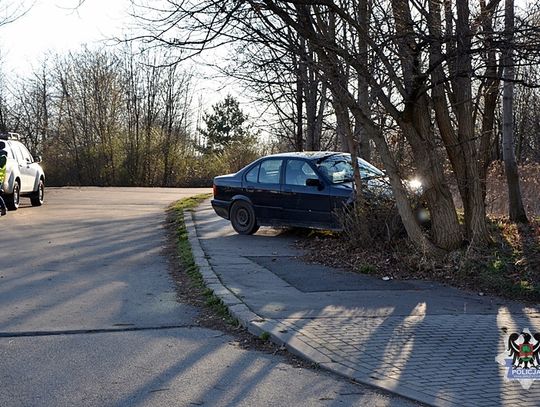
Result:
pixel 379 186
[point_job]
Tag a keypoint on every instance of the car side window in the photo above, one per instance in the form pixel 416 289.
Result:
pixel 297 172
pixel 270 171
pixel 27 157
pixel 17 153
pixel 253 174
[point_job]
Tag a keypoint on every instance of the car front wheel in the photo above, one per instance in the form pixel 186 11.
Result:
pixel 38 196
pixel 12 200
pixel 243 218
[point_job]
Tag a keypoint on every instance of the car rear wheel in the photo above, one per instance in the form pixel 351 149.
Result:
pixel 12 200
pixel 38 197
pixel 243 218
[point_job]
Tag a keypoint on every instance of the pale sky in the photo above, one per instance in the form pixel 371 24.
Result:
pixel 54 26
pixel 58 26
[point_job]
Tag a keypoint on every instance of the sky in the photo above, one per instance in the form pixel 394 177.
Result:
pixel 55 26
pixel 58 26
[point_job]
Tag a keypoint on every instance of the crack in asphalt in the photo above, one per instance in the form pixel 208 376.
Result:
pixel 93 331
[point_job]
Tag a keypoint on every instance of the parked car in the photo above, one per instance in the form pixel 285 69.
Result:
pixel 293 189
pixel 24 176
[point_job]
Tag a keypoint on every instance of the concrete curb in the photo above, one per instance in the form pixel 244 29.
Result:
pixel 255 324
pixel 294 341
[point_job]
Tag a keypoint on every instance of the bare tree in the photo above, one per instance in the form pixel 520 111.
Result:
pixel 11 11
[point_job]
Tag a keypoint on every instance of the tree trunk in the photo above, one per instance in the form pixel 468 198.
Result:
pixel 415 233
pixel 515 204
pixel 299 136
pixel 363 89
pixel 490 96
pixel 416 125
pixel 470 184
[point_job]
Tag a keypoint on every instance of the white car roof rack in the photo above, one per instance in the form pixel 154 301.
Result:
pixel 10 136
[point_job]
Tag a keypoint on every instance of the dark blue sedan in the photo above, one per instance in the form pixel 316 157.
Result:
pixel 292 189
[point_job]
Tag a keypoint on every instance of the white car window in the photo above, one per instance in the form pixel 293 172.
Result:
pixel 17 153
pixel 27 157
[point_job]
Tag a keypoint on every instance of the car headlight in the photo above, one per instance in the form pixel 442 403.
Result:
pixel 415 186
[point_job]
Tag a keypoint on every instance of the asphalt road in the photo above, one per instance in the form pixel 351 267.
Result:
pixel 89 317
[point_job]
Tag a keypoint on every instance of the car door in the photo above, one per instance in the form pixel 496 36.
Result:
pixel 27 170
pixel 262 186
pixel 303 204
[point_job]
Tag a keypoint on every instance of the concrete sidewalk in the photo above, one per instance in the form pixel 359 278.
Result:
pixel 417 339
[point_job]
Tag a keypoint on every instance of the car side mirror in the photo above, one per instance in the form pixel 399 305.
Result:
pixel 314 182
pixel 37 159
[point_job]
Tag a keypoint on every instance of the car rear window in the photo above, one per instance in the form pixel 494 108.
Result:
pixel 270 171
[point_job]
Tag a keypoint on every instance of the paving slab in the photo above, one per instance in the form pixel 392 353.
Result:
pixel 422 340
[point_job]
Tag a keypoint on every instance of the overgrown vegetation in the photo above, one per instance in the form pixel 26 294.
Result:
pixel 508 266
pixel 188 262
pixel 124 119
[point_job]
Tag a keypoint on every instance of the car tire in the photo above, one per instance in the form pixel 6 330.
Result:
pixel 38 197
pixel 243 218
pixel 12 200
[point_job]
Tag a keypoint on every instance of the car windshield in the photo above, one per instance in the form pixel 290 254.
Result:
pixel 338 169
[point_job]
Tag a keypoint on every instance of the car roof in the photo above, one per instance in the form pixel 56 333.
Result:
pixel 310 155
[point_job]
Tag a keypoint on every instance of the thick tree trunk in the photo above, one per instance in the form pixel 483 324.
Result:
pixel 361 134
pixel 445 226
pixel 515 203
pixel 470 183
pixel 416 126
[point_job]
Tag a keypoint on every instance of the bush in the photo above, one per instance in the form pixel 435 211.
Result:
pixel 379 220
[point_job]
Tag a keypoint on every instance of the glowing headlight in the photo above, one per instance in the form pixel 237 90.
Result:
pixel 415 184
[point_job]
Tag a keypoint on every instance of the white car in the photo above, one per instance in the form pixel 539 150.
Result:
pixel 24 175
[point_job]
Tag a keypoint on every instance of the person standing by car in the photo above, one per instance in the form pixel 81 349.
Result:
pixel 3 163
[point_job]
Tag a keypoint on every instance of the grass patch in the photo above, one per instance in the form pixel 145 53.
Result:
pixel 509 266
pixel 264 336
pixel 367 269
pixel 188 262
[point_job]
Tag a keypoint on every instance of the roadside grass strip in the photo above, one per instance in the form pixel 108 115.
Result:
pixel 188 261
